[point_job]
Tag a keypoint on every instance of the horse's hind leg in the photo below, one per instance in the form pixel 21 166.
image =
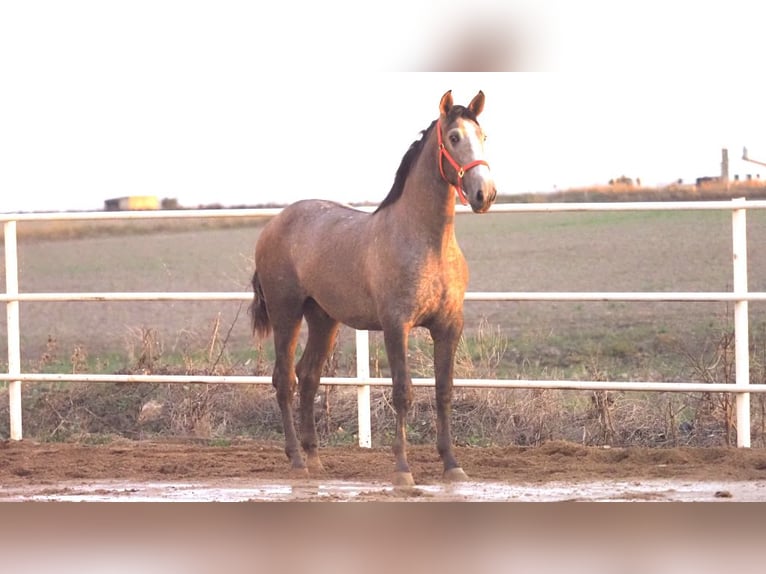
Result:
pixel 286 331
pixel 322 332
pixel 446 340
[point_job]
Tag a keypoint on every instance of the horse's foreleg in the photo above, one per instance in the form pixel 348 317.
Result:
pixel 445 346
pixel 396 350
pixel 322 331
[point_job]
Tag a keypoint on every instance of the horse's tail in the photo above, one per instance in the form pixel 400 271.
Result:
pixel 258 311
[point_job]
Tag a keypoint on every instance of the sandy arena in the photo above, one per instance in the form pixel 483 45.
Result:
pixel 257 471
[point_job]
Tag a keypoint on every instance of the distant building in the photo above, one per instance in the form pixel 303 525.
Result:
pixel 708 180
pixel 132 202
pixel 622 180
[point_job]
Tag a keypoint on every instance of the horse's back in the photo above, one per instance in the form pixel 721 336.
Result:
pixel 318 249
pixel 310 226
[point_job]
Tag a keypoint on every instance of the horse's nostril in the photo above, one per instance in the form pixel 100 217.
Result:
pixel 480 196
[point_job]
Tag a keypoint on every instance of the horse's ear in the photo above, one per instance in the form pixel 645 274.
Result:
pixel 477 103
pixel 446 104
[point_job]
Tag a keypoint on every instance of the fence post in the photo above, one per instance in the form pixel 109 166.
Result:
pixel 12 318
pixel 363 391
pixel 741 328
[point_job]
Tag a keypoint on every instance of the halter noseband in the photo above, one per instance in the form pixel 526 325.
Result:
pixel 443 153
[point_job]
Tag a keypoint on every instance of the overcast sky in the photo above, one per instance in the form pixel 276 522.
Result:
pixel 249 103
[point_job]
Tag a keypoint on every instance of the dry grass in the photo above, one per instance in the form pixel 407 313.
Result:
pixel 74 229
pixel 98 412
pixel 709 191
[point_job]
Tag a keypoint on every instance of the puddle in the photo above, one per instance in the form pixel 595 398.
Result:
pixel 341 491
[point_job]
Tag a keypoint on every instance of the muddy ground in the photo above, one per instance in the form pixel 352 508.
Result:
pixel 193 470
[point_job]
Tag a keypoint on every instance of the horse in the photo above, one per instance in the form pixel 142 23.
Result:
pixel 391 270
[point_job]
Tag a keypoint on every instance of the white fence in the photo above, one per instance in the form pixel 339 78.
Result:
pixel 739 295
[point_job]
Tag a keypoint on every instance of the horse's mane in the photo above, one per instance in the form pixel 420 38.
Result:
pixel 413 153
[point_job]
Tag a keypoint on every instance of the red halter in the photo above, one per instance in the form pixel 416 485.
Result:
pixel 443 153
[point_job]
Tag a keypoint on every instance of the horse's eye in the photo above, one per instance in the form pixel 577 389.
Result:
pixel 454 138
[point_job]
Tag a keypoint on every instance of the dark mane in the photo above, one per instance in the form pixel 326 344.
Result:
pixel 413 153
pixel 409 159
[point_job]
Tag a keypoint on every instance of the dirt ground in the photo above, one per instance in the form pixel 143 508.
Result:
pixel 194 470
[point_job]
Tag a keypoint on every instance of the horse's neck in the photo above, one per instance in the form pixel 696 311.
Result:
pixel 428 202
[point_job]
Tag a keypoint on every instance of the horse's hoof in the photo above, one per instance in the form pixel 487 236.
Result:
pixel 299 472
pixel 315 466
pixel 455 475
pixel 403 479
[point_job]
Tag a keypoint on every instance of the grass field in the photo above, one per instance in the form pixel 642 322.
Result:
pixel 621 251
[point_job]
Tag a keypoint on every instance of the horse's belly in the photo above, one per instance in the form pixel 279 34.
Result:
pixel 358 315
pixel 360 322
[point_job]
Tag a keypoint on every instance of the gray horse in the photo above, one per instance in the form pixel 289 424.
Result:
pixel 397 268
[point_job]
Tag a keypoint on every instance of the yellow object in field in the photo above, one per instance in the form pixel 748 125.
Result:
pixel 132 202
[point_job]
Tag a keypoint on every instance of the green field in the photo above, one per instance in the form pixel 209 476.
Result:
pixel 625 251
pixel 620 251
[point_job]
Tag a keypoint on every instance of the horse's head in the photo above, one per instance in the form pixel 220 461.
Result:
pixel 461 152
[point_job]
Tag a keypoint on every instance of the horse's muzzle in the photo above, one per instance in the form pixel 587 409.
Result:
pixel 483 199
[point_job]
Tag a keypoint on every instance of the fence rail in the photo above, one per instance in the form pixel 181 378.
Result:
pixel 739 295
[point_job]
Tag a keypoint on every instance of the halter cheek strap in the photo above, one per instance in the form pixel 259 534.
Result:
pixel 460 170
